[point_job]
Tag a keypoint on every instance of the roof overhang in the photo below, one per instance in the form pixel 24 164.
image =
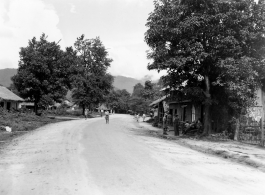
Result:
pixel 157 101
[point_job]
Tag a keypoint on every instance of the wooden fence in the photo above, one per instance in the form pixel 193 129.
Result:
pixel 250 130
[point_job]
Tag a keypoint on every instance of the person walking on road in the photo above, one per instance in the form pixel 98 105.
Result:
pixel 144 117
pixel 137 117
pixel 86 113
pixel 107 117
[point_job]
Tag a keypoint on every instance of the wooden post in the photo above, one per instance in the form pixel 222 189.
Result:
pixel 262 130
pixel 262 119
pixel 236 136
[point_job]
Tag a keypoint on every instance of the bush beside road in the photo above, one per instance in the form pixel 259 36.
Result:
pixel 21 122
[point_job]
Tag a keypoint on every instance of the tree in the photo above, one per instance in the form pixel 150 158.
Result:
pixel 118 100
pixel 91 81
pixel 43 73
pixel 213 50
pixel 137 90
pixel 151 90
pixel 137 102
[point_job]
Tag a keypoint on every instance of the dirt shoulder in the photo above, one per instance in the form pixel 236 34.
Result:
pixel 250 155
pixel 22 124
pixel 44 161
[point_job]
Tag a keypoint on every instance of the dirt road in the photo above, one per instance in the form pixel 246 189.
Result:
pixel 90 157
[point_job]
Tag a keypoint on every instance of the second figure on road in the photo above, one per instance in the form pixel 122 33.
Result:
pixel 107 117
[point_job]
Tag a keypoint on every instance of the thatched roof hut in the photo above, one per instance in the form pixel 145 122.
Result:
pixel 7 95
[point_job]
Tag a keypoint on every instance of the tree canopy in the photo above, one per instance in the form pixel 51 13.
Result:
pixel 91 81
pixel 151 90
pixel 118 100
pixel 213 50
pixel 44 72
pixel 142 96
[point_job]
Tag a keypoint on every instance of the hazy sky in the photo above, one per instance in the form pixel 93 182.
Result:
pixel 120 24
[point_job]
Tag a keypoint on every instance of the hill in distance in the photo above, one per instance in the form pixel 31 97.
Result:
pixel 5 76
pixel 120 82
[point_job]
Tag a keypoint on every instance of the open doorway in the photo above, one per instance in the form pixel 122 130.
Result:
pixel 8 105
pixel 184 112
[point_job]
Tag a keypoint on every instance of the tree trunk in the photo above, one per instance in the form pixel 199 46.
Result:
pixel 237 130
pixel 207 117
pixel 36 107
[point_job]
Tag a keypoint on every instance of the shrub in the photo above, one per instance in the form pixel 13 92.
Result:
pixel 19 120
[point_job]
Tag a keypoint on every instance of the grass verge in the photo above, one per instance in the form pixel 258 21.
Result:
pixel 20 123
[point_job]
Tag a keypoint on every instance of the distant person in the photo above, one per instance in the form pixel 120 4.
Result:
pixel 107 117
pixel 151 115
pixel 199 125
pixel 101 113
pixel 187 127
pixel 144 116
pixel 86 113
pixel 137 117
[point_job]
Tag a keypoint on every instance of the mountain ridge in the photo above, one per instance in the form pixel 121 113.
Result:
pixel 120 82
pixel 5 76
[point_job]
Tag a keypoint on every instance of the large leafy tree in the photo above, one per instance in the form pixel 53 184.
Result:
pixel 91 82
pixel 44 72
pixel 137 102
pixel 118 100
pixel 137 90
pixel 213 50
pixel 151 90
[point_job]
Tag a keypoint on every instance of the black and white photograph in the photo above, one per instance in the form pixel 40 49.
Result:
pixel 132 97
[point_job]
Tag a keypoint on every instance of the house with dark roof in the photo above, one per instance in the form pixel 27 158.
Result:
pixel 8 99
pixel 184 108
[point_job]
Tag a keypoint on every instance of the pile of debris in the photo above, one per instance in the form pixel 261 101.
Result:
pixel 218 136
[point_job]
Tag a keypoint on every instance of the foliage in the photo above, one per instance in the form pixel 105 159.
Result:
pixel 137 90
pixel 151 90
pixel 63 111
pixel 13 89
pixel 137 102
pixel 118 100
pixel 142 96
pixel 91 82
pixel 212 50
pixel 22 121
pixel 44 72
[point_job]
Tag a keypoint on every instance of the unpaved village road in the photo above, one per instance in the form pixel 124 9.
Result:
pixel 89 157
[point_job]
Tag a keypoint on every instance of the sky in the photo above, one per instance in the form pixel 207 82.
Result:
pixel 120 24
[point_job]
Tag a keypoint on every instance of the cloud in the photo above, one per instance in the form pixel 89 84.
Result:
pixel 72 8
pixel 137 2
pixel 21 21
pixel 129 59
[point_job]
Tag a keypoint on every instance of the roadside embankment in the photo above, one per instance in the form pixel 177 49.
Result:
pixel 251 155
pixel 15 123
